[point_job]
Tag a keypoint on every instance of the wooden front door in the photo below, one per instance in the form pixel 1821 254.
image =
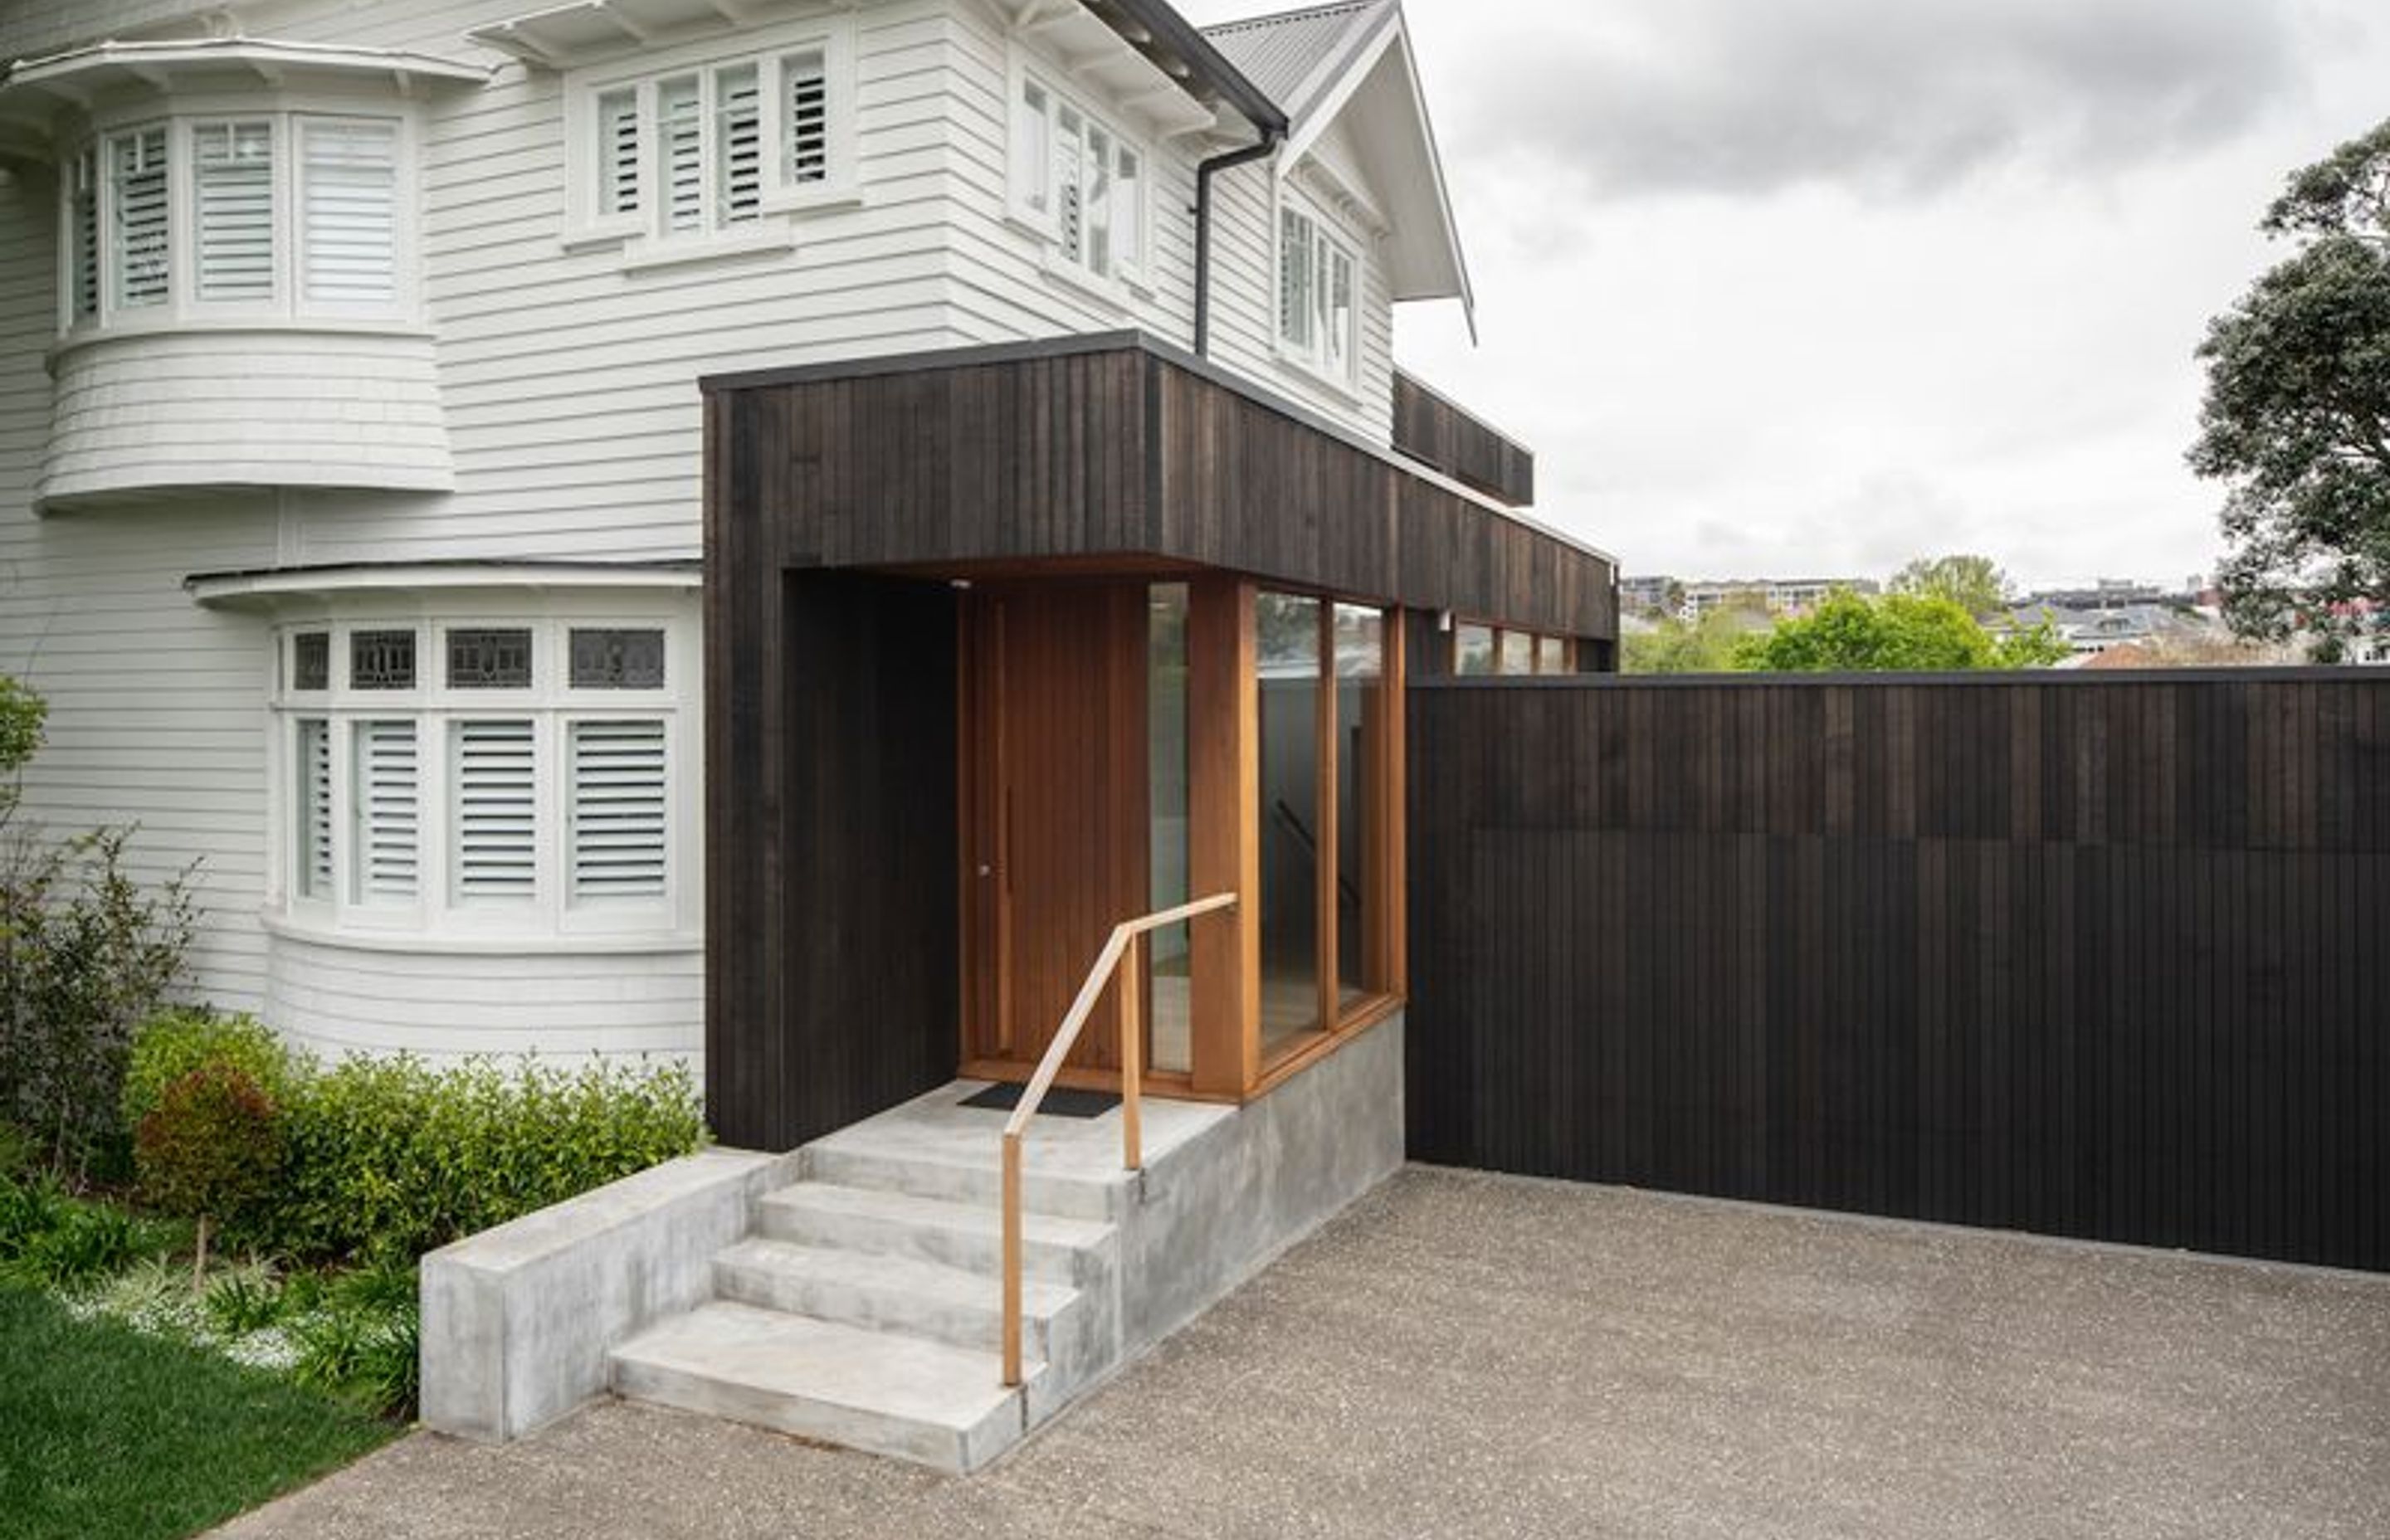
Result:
pixel 1055 843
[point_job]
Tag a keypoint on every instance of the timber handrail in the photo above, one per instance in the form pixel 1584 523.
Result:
pixel 1126 942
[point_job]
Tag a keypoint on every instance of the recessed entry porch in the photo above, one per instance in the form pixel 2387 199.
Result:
pixel 1014 645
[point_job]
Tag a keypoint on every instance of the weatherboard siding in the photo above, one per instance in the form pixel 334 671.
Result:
pixel 566 393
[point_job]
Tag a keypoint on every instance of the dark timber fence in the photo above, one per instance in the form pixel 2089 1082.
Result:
pixel 2095 956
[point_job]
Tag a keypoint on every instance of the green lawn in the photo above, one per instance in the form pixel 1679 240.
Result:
pixel 106 1433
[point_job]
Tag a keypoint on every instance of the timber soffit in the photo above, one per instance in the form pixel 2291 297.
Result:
pixel 1153 347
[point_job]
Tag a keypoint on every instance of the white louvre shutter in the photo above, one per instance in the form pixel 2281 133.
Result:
pixel 617 804
pixel 494 791
pixel 84 190
pixel 1032 167
pixel 388 811
pixel 618 152
pixel 232 193
pixel 349 221
pixel 1098 177
pixel 1129 214
pixel 137 161
pixel 1070 211
pixel 314 808
pixel 1294 256
pixel 738 144
pixel 679 127
pixel 804 86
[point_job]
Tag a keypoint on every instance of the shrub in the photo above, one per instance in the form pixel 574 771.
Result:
pixel 73 1243
pixel 389 1158
pixel 85 953
pixel 212 1146
pixel 368 1355
pixel 172 1043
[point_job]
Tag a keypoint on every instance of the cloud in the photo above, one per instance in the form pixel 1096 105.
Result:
pixel 1894 100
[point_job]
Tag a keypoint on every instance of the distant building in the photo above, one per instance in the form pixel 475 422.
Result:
pixel 1650 594
pixel 1777 596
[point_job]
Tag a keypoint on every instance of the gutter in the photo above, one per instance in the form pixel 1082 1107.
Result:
pixel 1176 35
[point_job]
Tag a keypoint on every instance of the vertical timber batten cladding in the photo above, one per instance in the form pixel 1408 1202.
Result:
pixel 1118 444
pixel 2096 957
pixel 1447 439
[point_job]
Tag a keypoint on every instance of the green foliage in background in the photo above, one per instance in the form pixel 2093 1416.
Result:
pixel 1899 633
pixel 2296 420
pixel 1703 646
pixel 1974 584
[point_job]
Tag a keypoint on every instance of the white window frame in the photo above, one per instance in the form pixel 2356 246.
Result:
pixel 1032 198
pixel 644 233
pixel 438 915
pixel 182 308
pixel 1329 239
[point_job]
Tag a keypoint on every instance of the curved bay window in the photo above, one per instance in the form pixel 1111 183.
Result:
pixel 1326 816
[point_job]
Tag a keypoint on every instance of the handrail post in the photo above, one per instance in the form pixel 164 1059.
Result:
pixel 1132 1054
pixel 1011 1260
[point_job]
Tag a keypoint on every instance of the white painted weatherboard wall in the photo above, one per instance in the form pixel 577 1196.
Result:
pixel 567 385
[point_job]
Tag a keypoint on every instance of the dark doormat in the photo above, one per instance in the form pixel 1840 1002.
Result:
pixel 1062 1101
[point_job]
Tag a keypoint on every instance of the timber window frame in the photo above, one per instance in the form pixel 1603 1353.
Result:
pixel 469 788
pixel 682 152
pixel 261 214
pixel 1079 183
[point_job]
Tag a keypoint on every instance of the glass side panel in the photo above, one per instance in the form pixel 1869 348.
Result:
pixel 1518 652
pixel 1551 655
pixel 1169 1019
pixel 1361 690
pixel 1472 648
pixel 1286 660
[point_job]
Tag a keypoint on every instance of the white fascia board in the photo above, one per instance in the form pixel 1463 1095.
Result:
pixel 234 590
pixel 68 74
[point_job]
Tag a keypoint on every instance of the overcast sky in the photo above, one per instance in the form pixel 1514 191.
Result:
pixel 1810 287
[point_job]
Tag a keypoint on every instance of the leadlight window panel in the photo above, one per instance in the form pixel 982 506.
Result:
pixel 310 660
pixel 489 658
pixel 381 660
pixel 617 658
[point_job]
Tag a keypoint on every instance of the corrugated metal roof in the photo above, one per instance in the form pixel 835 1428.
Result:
pixel 1282 54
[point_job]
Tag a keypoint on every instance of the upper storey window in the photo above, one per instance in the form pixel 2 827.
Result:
pixel 263 215
pixel 706 150
pixel 1318 295
pixel 1078 182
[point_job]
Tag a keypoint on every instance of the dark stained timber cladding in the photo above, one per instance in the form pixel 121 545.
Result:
pixel 831 941
pixel 2088 958
pixel 1445 438
pixel 1111 446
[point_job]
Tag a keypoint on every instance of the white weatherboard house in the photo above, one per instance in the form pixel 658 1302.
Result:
pixel 879 545
pixel 349 429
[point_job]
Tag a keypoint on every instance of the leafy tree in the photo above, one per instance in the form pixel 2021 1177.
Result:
pixel 1899 633
pixel 1702 646
pixel 213 1144
pixel 1974 584
pixel 2296 421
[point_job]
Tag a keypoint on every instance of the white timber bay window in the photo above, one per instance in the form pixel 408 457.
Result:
pixel 486 779
pixel 1079 184
pixel 241 218
pixel 1318 295
pixel 712 148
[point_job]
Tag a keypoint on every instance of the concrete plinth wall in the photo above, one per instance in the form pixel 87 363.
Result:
pixel 1212 1211
pixel 518 1320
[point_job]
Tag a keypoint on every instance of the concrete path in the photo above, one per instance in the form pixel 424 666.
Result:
pixel 1468 1355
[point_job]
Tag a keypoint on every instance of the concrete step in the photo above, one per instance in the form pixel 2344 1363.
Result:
pixel 966 1236
pixel 859 1162
pixel 891 1293
pixel 928 1401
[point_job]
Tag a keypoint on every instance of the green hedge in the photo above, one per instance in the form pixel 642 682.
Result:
pixel 388 1158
